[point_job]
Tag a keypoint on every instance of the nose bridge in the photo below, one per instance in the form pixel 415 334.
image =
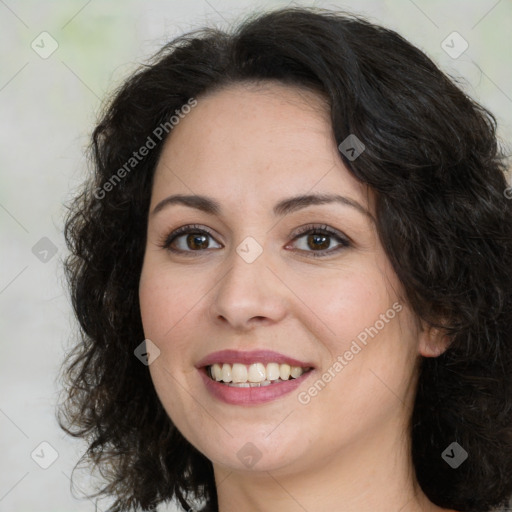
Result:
pixel 249 289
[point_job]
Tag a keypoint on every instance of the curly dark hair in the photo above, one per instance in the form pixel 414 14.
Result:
pixel 432 159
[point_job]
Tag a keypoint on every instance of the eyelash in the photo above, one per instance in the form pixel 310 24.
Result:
pixel 323 229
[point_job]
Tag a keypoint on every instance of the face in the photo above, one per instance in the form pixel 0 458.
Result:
pixel 262 259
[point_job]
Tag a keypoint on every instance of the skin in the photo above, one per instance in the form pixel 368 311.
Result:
pixel 249 146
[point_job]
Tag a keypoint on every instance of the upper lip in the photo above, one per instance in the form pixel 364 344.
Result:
pixel 249 357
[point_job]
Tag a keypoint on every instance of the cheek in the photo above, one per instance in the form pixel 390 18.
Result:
pixel 346 302
pixel 165 300
pixel 166 305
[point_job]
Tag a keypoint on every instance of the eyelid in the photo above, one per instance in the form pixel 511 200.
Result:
pixel 319 227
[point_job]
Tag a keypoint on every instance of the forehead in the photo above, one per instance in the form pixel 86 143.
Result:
pixel 256 140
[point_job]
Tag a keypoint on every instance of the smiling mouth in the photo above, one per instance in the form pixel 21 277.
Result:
pixel 254 375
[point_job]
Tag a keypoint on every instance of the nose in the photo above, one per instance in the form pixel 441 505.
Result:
pixel 248 295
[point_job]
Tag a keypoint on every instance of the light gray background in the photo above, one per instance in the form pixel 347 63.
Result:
pixel 48 109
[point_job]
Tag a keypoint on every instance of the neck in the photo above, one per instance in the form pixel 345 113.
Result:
pixel 366 476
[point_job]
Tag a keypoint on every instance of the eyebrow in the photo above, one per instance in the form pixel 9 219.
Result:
pixel 283 207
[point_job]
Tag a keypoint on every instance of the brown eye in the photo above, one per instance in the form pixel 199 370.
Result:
pixel 188 239
pixel 319 241
pixel 197 241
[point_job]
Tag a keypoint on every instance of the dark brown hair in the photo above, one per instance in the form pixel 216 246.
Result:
pixel 433 162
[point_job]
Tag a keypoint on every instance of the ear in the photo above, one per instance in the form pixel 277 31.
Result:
pixel 432 342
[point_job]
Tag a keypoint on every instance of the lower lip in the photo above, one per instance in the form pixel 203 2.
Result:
pixel 251 396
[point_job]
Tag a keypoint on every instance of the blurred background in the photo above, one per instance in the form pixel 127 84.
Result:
pixel 59 61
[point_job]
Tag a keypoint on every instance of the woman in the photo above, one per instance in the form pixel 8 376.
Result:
pixel 305 220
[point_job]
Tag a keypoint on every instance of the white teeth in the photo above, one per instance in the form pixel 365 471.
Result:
pixel 250 384
pixel 272 371
pixel 256 374
pixel 295 371
pixel 226 373
pixel 239 372
pixel 284 371
pixel 217 372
